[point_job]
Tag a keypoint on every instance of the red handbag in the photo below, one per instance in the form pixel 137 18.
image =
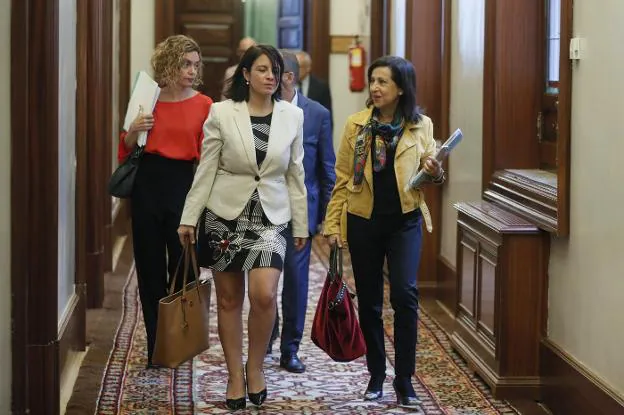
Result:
pixel 336 329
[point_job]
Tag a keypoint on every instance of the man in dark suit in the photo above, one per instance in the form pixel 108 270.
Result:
pixel 312 87
pixel 318 162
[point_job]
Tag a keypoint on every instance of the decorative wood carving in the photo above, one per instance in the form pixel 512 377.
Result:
pixel 501 311
pixel 531 194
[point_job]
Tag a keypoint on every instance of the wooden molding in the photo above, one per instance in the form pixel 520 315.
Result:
pixel 569 388
pixel 447 285
pixel 34 205
pixel 69 332
pixel 531 194
pixel 341 44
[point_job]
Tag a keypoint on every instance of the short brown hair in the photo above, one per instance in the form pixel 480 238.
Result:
pixel 168 59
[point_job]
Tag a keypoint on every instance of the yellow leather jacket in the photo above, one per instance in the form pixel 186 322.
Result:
pixel 415 145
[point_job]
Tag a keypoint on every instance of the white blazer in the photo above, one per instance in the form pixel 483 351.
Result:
pixel 228 172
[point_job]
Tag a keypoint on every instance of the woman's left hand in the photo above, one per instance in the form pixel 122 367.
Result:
pixel 300 243
pixel 432 167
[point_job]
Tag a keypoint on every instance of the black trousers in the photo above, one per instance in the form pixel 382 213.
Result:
pixel 398 239
pixel 158 197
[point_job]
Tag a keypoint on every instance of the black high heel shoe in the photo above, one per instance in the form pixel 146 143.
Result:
pixel 236 403
pixel 405 394
pixel 374 390
pixel 257 398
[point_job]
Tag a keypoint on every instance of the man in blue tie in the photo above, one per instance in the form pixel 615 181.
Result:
pixel 319 160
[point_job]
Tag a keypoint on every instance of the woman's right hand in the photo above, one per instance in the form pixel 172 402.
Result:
pixel 142 122
pixel 186 234
pixel 334 239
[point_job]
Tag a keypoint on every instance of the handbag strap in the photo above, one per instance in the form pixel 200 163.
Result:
pixel 186 253
pixel 335 262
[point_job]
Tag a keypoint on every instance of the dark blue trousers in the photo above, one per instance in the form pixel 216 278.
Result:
pixel 398 239
pixel 294 295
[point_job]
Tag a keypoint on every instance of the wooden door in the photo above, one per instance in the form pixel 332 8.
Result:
pixel 216 25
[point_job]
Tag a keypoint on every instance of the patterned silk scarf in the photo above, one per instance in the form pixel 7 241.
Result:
pixel 386 138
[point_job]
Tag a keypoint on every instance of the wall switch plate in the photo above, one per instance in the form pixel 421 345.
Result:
pixel 575 48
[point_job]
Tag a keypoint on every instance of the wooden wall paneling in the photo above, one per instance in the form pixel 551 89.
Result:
pixel 106 158
pixel 446 275
pixel 380 28
pixel 125 14
pixel 512 97
pixel 82 185
pixel 164 19
pixel 96 129
pixel 564 115
pixel 427 36
pixel 316 38
pixel 34 206
pixel 569 388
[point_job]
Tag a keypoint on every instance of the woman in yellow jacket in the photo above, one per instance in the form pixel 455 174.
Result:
pixel 371 206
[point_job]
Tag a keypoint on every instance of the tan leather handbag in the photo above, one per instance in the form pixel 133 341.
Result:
pixel 183 316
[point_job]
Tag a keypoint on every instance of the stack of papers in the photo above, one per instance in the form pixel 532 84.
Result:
pixel 143 97
pixel 421 177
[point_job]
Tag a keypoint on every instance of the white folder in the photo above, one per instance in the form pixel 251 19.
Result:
pixel 143 97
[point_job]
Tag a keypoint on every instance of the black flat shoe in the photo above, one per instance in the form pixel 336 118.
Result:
pixel 292 363
pixel 374 390
pixel 236 404
pixel 256 398
pixel 405 394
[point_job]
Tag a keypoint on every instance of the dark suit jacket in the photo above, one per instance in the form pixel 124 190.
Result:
pixel 318 159
pixel 318 91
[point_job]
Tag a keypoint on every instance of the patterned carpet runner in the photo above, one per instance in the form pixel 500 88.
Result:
pixel 443 382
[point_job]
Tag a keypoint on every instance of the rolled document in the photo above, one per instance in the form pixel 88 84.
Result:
pixel 421 177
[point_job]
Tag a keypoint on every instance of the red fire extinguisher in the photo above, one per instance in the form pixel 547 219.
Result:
pixel 357 62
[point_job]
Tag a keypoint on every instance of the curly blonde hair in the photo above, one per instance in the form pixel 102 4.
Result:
pixel 168 59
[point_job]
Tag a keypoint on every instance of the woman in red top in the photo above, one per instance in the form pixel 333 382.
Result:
pixel 166 170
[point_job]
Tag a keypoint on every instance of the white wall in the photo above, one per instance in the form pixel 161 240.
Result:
pixel 466 112
pixel 66 155
pixel 141 37
pixel 397 28
pixel 586 293
pixel 347 17
pixel 5 208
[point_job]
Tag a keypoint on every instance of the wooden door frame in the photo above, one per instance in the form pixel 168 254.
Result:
pixel 34 206
pixel 316 39
pixel 381 10
pixel 428 47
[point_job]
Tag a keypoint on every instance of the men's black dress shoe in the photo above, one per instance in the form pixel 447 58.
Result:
pixel 374 390
pixel 292 363
pixel 405 394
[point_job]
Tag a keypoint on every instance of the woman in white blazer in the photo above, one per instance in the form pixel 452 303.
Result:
pixel 248 189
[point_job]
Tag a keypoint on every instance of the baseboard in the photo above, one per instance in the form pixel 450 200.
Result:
pixel 121 219
pixel 120 231
pixel 70 328
pixel 447 285
pixel 570 389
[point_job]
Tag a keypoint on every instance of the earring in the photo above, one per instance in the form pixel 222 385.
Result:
pixel 246 82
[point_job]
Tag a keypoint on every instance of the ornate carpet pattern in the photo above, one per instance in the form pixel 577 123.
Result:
pixel 443 381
